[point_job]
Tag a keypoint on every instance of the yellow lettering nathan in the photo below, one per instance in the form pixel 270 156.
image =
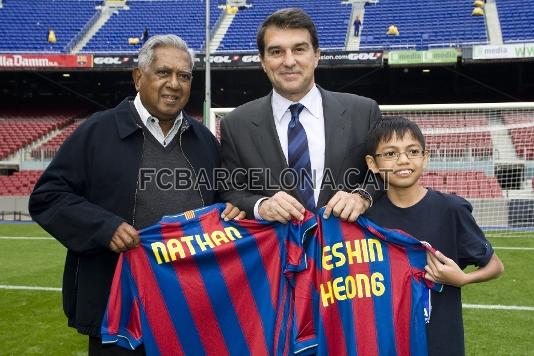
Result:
pixel 185 246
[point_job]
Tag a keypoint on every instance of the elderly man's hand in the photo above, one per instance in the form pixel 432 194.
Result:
pixel 346 206
pixel 281 207
pixel 125 237
pixel 232 213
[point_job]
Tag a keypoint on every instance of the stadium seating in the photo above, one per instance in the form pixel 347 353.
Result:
pixel 522 138
pixel 184 18
pixel 468 184
pixel 20 183
pixel 517 19
pixel 25 23
pixel 475 144
pixel 19 130
pixel 422 24
pixel 330 16
pixel 48 149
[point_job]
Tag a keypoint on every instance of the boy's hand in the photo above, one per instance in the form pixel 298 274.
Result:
pixel 443 270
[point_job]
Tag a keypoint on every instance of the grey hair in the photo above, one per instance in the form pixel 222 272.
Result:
pixel 146 53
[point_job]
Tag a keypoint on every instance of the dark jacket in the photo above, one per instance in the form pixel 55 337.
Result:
pixel 89 189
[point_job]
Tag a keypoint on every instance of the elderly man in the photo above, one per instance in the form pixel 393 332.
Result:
pixel 116 174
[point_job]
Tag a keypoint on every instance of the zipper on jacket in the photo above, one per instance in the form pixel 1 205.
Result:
pixel 190 165
pixel 137 180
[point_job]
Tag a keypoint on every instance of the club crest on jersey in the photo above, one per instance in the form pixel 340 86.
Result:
pixel 189 214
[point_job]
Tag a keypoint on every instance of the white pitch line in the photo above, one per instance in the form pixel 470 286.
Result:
pixel 514 248
pixel 499 307
pixel 51 289
pixel 467 306
pixel 25 238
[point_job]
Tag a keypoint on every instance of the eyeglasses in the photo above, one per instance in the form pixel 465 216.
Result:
pixel 394 156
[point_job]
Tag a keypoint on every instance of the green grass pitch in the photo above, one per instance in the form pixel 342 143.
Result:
pixel 33 323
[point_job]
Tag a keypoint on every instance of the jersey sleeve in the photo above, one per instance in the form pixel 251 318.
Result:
pixel 298 233
pixel 304 327
pixel 473 247
pixel 122 323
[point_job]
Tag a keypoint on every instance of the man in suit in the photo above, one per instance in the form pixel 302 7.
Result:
pixel 299 127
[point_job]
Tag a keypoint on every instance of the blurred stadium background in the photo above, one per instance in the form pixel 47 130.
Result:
pixel 462 69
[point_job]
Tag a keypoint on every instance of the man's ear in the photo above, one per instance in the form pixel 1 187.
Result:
pixel 371 164
pixel 136 76
pixel 317 57
pixel 261 62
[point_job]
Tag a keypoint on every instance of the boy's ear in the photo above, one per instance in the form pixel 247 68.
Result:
pixel 371 164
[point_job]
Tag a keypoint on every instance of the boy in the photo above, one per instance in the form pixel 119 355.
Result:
pixel 396 151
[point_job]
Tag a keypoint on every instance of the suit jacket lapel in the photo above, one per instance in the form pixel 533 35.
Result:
pixel 336 122
pixel 266 139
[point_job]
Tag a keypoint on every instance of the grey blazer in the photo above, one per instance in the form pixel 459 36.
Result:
pixel 249 140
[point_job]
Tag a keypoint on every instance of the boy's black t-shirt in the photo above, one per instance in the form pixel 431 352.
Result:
pixel 446 222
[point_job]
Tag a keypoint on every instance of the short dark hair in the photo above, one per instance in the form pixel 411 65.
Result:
pixel 383 130
pixel 293 18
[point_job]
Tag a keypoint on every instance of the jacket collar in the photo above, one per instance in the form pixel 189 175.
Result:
pixel 127 125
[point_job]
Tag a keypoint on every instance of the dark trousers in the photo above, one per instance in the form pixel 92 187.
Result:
pixel 96 348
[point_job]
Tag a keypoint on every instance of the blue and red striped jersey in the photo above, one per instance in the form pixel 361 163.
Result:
pixel 199 285
pixel 364 291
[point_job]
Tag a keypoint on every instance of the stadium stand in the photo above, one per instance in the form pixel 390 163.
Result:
pixel 469 184
pixel 21 129
pixel 48 149
pixel 473 144
pixel 422 24
pixel 330 16
pixel 25 23
pixel 517 19
pixel 19 183
pixel 521 137
pixel 181 17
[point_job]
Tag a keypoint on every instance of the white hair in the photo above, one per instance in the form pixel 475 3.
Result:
pixel 146 53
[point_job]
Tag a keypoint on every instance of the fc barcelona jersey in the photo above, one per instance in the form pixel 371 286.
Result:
pixel 363 293
pixel 199 285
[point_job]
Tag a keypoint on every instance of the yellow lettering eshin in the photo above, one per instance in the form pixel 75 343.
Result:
pixel 203 243
pixel 365 250
pixel 375 250
pixel 326 258
pixel 340 256
pixel 159 249
pixel 356 252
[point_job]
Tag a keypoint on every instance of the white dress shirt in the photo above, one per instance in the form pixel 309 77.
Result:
pixel 152 123
pixel 312 120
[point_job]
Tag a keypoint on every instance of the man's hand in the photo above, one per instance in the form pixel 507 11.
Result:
pixel 442 269
pixel 346 206
pixel 281 207
pixel 232 213
pixel 125 237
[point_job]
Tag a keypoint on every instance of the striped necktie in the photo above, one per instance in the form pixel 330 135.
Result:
pixel 298 157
